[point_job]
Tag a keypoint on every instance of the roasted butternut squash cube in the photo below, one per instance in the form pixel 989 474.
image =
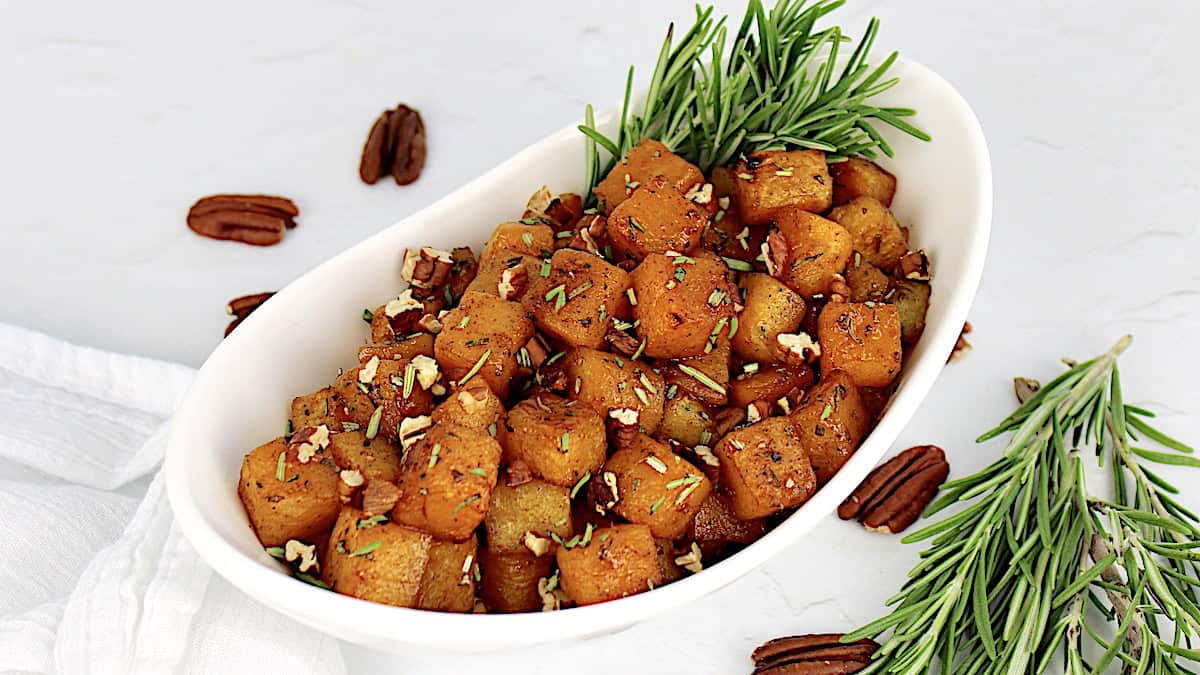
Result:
pixel 644 162
pixel 862 339
pixel 866 281
pixel 376 459
pixel 351 401
pixel 616 562
pixel 657 488
pixel 705 377
pixel 769 382
pixel 382 563
pixel 517 239
pixel 574 299
pixel 286 498
pixel 817 249
pixel 480 338
pixel 392 398
pixel 912 302
pixel 536 507
pixel 769 181
pixel 476 407
pixel 510 581
pixel 765 468
pixel 315 409
pixel 402 348
pixel 560 440
pixel 715 523
pixel 654 219
pixel 857 177
pixel 831 421
pixel 685 420
pixel 608 382
pixel 874 229
pixel 448 584
pixel 771 308
pixel 683 304
pixel 446 481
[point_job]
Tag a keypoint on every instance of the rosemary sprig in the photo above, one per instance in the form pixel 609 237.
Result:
pixel 775 84
pixel 1008 578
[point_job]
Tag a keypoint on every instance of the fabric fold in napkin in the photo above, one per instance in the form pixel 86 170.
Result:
pixel 96 577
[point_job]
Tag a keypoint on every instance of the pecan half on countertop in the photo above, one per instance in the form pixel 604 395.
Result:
pixel 893 496
pixel 240 308
pixel 259 220
pixel 821 654
pixel 395 145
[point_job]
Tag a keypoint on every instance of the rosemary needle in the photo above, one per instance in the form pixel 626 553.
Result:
pixel 1006 581
pixel 772 83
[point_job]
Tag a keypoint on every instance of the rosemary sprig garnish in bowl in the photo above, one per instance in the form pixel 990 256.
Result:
pixel 778 83
pixel 1007 580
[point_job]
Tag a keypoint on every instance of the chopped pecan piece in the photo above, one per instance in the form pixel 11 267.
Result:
pixel 350 485
pixel 621 341
pixel 623 426
pixel 251 219
pixel 915 265
pixel 605 492
pixel 517 473
pixel 514 279
pixel 395 145
pixel 775 253
pixel 591 234
pixel 240 308
pixel 893 496
pixel 961 346
pixel 379 497
pixel 463 270
pixel 726 421
pixel 757 411
pixel 534 354
pixel 565 210
pixel 822 654
pixel 426 268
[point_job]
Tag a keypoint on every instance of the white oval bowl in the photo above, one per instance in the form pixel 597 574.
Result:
pixel 296 342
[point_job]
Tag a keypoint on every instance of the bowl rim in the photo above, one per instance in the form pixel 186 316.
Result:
pixel 442 629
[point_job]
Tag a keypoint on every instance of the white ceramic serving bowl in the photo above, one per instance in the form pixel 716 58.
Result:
pixel 296 342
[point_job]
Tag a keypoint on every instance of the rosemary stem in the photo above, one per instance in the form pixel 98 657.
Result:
pixel 1121 600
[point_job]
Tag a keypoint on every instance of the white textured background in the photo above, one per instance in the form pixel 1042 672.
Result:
pixel 115 116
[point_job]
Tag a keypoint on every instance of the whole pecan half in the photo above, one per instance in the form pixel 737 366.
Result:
pixel 892 496
pixel 259 220
pixel 395 145
pixel 240 308
pixel 820 654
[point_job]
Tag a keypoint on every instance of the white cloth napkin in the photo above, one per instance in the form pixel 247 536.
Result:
pixel 94 575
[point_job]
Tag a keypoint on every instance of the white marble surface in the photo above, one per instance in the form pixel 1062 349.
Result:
pixel 115 116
